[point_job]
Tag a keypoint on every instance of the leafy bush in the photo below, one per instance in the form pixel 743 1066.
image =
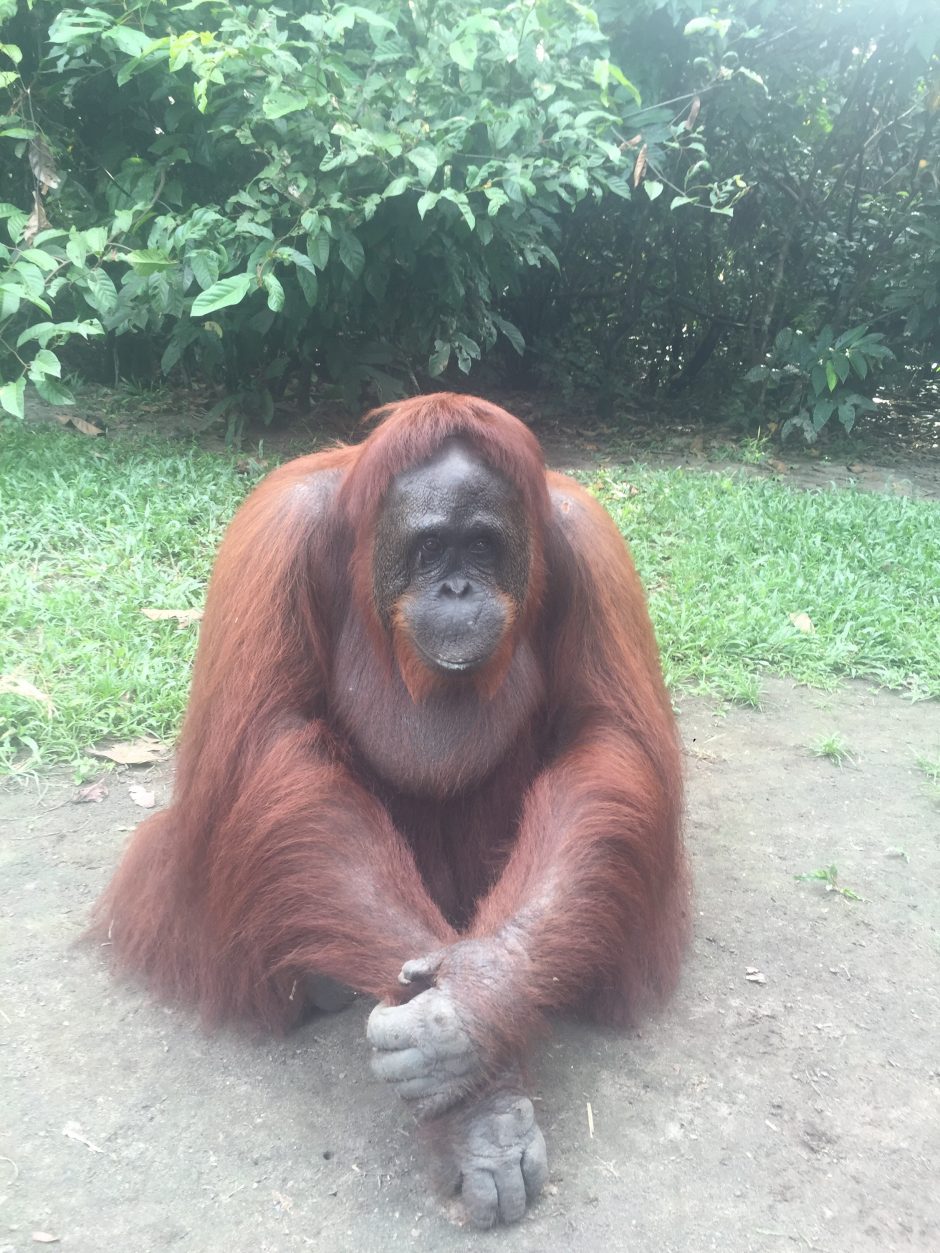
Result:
pixel 350 188
pixel 810 379
pixel 373 194
pixel 814 199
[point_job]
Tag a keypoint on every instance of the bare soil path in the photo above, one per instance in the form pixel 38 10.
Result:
pixel 795 1111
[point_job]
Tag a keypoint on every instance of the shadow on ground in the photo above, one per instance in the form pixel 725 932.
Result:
pixel 798 1112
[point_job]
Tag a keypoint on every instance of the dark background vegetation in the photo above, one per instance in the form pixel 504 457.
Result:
pixel 356 201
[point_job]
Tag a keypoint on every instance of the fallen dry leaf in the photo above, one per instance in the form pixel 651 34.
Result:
pixel 142 796
pixel 778 466
pixel 42 165
pixel 855 467
pixel 753 975
pixel 133 752
pixel 803 622
pixel 16 685
pixel 91 793
pixel 86 428
pixel 43 1237
pixel 37 220
pixel 624 491
pixel 80 424
pixel 184 616
pixel 640 165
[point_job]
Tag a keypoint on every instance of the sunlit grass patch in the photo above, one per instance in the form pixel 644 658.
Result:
pixel 746 575
pixel 91 533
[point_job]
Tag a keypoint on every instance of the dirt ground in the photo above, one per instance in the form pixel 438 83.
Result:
pixel 797 1110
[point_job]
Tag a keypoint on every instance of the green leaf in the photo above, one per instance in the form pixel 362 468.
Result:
pixel 502 132
pixel 351 253
pixel 426 202
pixel 831 377
pixel 653 188
pixel 39 258
pixel 318 249
pixel 226 292
pixel 101 293
pixel 396 187
pixel 619 186
pixel 43 332
pixel 11 397
pixel 497 198
pixel 464 52
pixel 467 347
pixel 76 251
pixel 459 199
pixel 45 362
pixel 257 230
pixel 149 260
pixel 53 392
pixel 11 50
pixel 299 259
pixel 605 70
pixel 9 301
pixel 424 159
pixel 78 24
pixel 678 201
pixel 275 290
pixel 96 239
pixel 281 101
pixel 308 285
pixel 437 363
pixel 205 267
pixel 847 416
pixel 16 224
pixel 512 333
pixel 822 412
pixel 128 39
pixel 859 364
pixel 15 291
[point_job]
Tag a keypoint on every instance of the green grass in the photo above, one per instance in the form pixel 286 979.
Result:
pixel 92 532
pixel 834 749
pixel 727 560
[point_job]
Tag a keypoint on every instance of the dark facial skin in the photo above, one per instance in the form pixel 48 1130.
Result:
pixel 452 554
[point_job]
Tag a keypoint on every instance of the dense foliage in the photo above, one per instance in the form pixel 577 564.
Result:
pixel 373 194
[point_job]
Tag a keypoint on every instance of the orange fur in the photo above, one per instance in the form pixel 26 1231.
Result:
pixel 545 809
